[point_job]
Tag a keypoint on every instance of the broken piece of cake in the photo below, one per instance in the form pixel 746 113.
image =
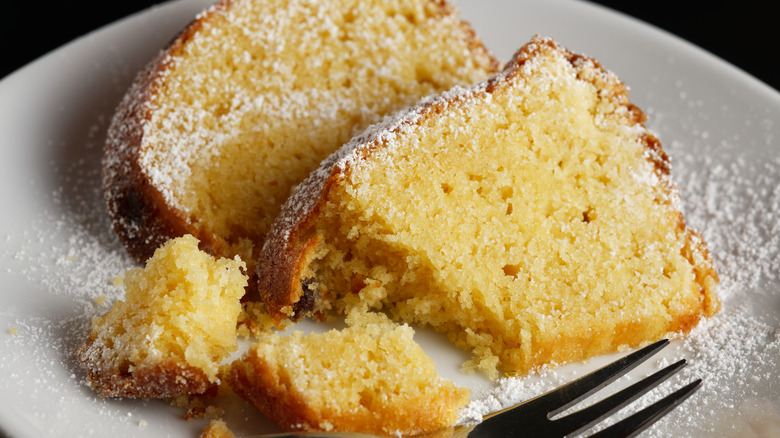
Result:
pixel 175 326
pixel 531 218
pixel 370 377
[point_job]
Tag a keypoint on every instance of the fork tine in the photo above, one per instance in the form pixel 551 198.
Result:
pixel 583 419
pixel 533 416
pixel 571 393
pixel 639 421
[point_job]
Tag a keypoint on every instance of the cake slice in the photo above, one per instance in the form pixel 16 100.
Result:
pixel 532 218
pixel 252 95
pixel 173 329
pixel 370 377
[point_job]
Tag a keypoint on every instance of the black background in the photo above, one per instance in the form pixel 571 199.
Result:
pixel 741 32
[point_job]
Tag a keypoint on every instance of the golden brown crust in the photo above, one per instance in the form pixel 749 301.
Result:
pixel 165 379
pixel 256 382
pixel 696 247
pixel 133 204
pixel 268 391
pixel 140 214
pixel 281 265
pixel 302 208
pixel 699 253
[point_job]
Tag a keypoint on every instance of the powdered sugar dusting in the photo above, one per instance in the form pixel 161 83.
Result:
pixel 379 140
pixel 65 263
pixel 734 202
pixel 281 85
pixel 306 195
pixel 68 257
pixel 746 196
pixel 259 75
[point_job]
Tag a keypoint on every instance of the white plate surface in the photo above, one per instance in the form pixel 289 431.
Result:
pixel 720 126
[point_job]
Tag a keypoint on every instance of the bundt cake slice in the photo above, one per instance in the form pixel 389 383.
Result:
pixel 532 218
pixel 253 95
pixel 173 329
pixel 370 377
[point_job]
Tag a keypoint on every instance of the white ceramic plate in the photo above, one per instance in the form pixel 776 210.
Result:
pixel 58 255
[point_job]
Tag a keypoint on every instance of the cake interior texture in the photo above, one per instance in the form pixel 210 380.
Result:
pixel 532 219
pixel 264 90
pixel 370 377
pixel 175 326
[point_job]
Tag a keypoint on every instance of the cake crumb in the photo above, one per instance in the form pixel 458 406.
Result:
pixel 217 429
pixel 117 281
pixel 197 406
pixel 255 321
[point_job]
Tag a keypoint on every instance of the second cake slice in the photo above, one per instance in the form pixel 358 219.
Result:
pixel 532 218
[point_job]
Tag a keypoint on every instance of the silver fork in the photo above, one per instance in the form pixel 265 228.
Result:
pixel 535 417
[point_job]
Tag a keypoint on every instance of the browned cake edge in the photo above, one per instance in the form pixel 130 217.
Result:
pixel 287 251
pixel 167 379
pixel 139 213
pixel 257 382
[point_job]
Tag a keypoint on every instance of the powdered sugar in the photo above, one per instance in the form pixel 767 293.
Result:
pixel 738 210
pixel 734 202
pixel 243 70
pixel 72 255
pixel 62 264
pixel 59 275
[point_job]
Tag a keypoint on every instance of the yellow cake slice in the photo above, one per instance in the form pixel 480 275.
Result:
pixel 173 329
pixel 252 95
pixel 371 377
pixel 532 218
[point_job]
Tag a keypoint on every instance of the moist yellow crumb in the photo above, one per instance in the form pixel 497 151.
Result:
pixel 259 92
pixel 174 327
pixel 255 321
